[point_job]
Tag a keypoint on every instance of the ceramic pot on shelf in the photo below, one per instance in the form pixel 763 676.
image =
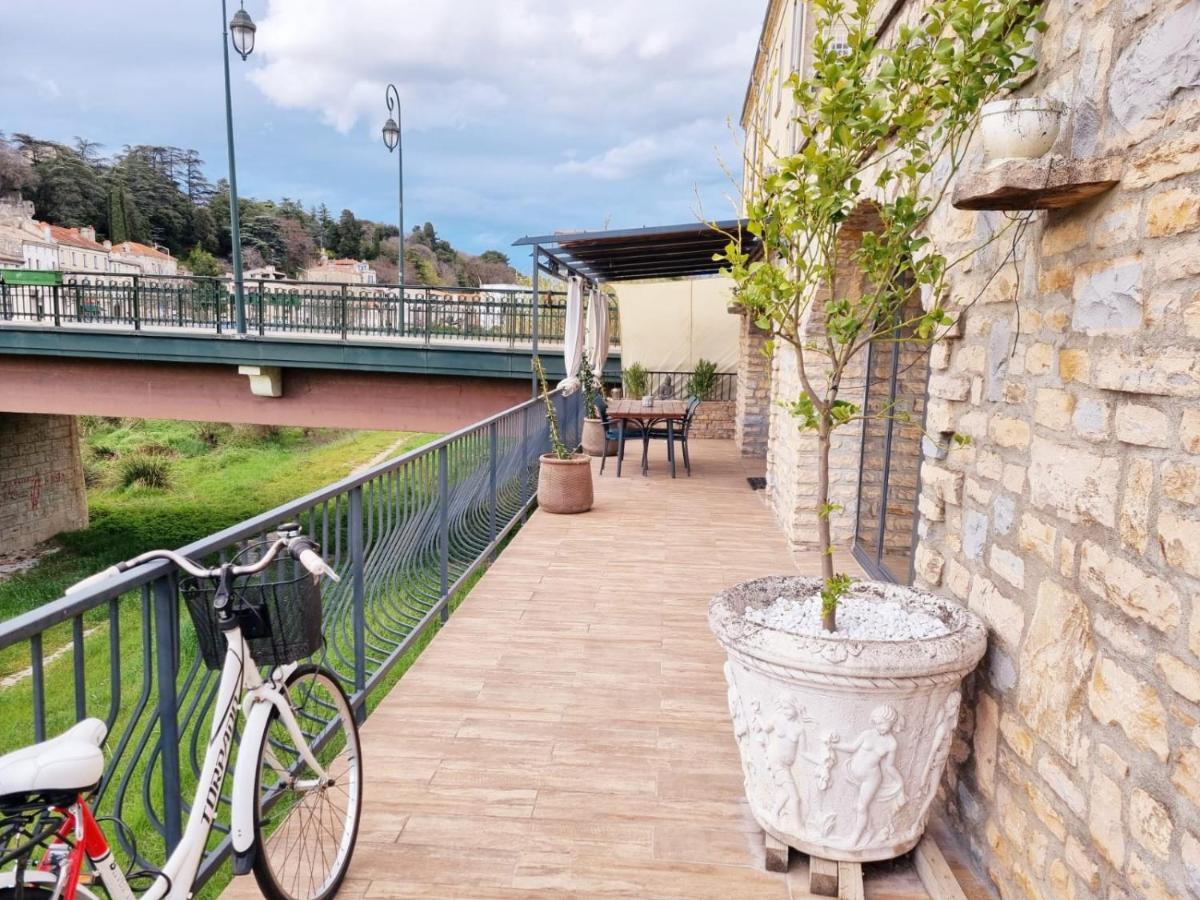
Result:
pixel 843 741
pixel 1020 128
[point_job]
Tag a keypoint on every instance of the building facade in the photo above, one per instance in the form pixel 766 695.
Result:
pixel 340 271
pixel 1071 523
pixel 24 242
pixel 78 250
pixel 148 260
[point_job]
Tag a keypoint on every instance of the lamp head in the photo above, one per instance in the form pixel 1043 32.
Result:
pixel 241 30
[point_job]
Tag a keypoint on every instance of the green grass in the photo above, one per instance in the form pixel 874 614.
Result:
pixel 219 475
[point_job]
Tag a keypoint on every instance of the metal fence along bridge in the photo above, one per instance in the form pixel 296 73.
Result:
pixel 406 536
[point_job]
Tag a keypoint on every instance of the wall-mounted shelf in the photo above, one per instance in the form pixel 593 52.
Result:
pixel 1052 182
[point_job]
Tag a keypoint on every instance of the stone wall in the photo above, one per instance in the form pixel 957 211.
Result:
pixel 752 414
pixel 41 479
pixel 714 419
pixel 1072 524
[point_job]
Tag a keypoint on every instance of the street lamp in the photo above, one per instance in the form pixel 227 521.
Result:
pixel 241 31
pixel 391 139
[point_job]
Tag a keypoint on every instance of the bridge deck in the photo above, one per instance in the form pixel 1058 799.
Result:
pixel 567 733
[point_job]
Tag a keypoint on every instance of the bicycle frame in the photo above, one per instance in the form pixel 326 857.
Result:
pixel 240 678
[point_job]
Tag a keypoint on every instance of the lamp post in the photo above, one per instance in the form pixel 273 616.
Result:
pixel 392 140
pixel 241 31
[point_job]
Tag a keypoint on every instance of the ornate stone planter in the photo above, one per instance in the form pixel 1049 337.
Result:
pixel 1023 128
pixel 565 485
pixel 843 743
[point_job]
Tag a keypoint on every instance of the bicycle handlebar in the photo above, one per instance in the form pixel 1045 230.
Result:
pixel 300 547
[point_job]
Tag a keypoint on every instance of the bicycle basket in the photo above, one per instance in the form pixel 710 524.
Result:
pixel 283 602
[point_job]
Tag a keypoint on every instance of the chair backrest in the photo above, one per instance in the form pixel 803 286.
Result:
pixel 693 404
pixel 601 407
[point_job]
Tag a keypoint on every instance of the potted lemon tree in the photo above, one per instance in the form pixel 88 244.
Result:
pixel 844 694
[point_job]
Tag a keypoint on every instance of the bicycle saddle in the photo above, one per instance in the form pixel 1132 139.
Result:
pixel 69 763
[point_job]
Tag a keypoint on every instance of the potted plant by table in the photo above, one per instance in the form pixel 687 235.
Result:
pixel 635 380
pixel 595 441
pixel 564 477
pixel 844 694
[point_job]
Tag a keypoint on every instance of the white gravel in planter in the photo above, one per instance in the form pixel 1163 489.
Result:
pixel 858 619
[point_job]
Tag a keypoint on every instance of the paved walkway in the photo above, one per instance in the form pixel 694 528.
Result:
pixel 567 733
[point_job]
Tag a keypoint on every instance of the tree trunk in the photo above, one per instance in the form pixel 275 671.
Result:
pixel 824 537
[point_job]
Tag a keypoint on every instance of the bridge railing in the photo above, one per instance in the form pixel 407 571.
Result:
pixel 339 311
pixel 407 536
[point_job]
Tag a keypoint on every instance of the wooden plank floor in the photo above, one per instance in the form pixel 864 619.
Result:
pixel 567 733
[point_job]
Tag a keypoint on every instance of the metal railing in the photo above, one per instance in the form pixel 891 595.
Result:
pixel 406 536
pixel 678 385
pixel 339 311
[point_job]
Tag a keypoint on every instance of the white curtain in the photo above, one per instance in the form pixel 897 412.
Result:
pixel 573 336
pixel 598 332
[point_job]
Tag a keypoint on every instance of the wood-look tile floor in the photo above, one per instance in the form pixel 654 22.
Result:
pixel 567 734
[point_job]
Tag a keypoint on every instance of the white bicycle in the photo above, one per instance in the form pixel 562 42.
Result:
pixel 297 783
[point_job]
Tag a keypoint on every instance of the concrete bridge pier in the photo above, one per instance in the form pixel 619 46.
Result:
pixel 41 479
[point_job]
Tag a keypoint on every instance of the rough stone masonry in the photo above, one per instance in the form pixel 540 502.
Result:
pixel 41 479
pixel 1071 523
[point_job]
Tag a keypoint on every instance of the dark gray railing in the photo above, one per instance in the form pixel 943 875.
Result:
pixel 338 311
pixel 678 385
pixel 406 536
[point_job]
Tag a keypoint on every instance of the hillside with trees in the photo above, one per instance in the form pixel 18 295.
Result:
pixel 161 195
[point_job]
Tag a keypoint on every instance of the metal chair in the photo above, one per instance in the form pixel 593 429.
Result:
pixel 612 433
pixel 680 434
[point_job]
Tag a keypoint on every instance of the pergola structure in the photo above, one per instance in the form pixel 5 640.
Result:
pixel 632 254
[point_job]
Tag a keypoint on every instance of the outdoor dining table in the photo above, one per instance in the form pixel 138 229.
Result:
pixel 671 412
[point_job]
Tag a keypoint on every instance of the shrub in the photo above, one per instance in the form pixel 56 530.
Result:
pixel 635 379
pixel 703 380
pixel 143 470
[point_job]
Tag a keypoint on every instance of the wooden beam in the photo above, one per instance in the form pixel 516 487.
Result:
pixel 935 872
pixel 850 881
pixel 822 876
pixel 775 854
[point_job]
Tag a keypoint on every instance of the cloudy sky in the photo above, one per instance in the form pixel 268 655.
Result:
pixel 520 116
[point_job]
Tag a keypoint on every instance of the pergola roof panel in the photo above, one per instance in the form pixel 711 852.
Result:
pixel 667 251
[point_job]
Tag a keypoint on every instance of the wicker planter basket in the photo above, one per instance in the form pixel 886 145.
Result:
pixel 565 485
pixel 594 443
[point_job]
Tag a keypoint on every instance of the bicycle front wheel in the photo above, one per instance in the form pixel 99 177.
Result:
pixel 305 824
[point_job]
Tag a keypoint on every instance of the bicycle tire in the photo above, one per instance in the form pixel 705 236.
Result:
pixel 275 879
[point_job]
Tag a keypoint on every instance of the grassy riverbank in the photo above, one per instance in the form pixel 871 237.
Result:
pixel 155 483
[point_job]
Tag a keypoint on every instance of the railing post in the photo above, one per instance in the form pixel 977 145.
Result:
pixel 344 302
pixel 166 641
pixel 444 527
pixel 359 594
pixel 428 316
pixel 54 299
pixel 400 315
pixel 260 308
pixel 137 304
pixel 494 512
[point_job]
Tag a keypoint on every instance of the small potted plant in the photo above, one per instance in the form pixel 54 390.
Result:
pixel 844 694
pixel 564 477
pixel 635 380
pixel 1020 127
pixel 595 442
pixel 703 380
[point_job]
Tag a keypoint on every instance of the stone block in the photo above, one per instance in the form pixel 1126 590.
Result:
pixel 1168 159
pixel 1054 662
pixel 1173 211
pixel 950 387
pixel 1186 775
pixel 1081 486
pixel 1036 536
pixel 1109 301
pixel 1063 784
pixel 1181 482
pixel 1090 419
pixel 1134 518
pixel 929 565
pixel 1124 641
pixel 1190 853
pixel 1142 425
pixel 1008 432
pixel 1039 359
pixel 1081 862
pixel 1117 696
pixel 1104 819
pixel 1180 540
pixel 1008 566
pixel 974 534
pixel 1130 588
pixel 1053 408
pixel 987 720
pixel 1142 878
pixel 1074 365
pixel 1189 431
pixel 1150 823
pixel 1165 372
pixel 941 483
pixel 1002 615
